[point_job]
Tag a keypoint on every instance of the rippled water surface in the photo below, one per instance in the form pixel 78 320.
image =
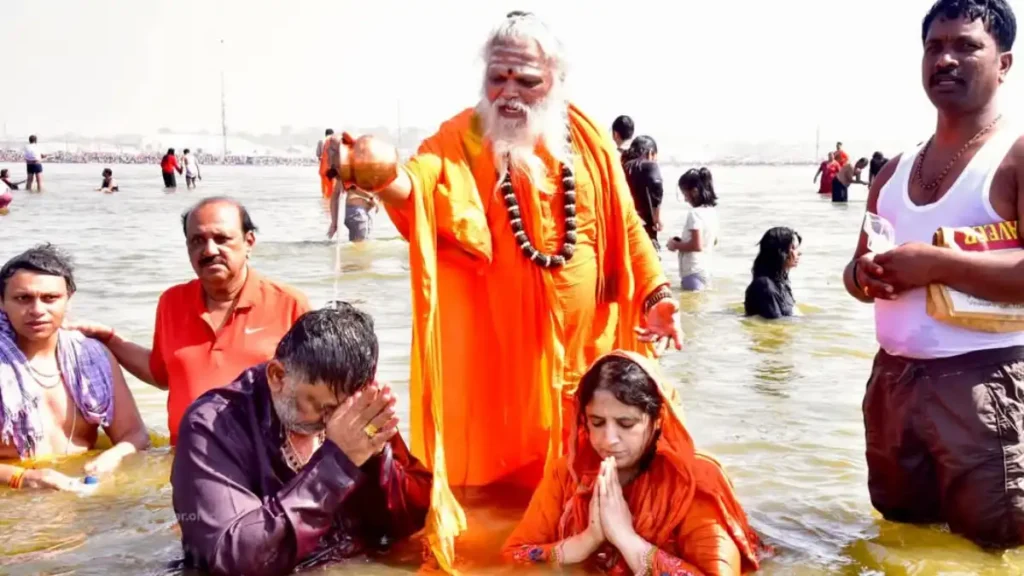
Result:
pixel 778 403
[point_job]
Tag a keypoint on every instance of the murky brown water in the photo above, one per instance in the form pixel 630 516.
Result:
pixel 778 403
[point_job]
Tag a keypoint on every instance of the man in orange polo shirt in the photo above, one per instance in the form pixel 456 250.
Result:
pixel 210 329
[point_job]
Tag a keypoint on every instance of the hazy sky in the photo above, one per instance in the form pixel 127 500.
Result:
pixel 723 70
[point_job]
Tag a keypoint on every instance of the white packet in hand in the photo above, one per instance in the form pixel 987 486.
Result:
pixel 881 236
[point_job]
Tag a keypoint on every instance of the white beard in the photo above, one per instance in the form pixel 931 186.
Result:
pixel 514 140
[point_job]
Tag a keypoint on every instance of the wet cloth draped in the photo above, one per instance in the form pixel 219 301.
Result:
pixel 243 510
pixel 85 368
pixel 498 341
pixel 683 503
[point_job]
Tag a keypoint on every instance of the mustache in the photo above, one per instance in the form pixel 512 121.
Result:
pixel 946 75
pixel 513 103
pixel 211 260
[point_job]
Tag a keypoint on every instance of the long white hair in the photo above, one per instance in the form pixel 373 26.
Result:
pixel 513 140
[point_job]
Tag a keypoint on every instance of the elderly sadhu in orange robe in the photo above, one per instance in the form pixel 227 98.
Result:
pixel 527 261
pixel 633 496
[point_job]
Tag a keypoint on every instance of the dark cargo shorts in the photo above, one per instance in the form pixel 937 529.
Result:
pixel 944 442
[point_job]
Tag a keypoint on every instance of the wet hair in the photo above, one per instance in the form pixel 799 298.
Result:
pixel 333 346
pixel 108 172
pixel 328 132
pixel 626 380
pixel 996 15
pixel 878 156
pixel 700 181
pixel 185 151
pixel 774 253
pixel 243 214
pixel 44 259
pixel 862 162
pixel 839 144
pixel 623 126
pixel 641 147
pixel 170 151
pixel 32 139
pixel 4 173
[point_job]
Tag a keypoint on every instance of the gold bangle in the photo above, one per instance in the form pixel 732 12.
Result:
pixel 648 567
pixel 556 555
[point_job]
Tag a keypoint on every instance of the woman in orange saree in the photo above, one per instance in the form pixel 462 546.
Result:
pixel 633 496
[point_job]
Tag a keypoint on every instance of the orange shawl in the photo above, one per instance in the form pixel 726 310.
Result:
pixel 661 497
pixel 453 252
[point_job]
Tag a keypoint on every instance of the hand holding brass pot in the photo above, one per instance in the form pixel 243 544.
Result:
pixel 365 162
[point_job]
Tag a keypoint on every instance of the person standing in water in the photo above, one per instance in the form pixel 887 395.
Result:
pixel 840 155
pixel 191 166
pixel 848 174
pixel 322 155
pixel 826 172
pixel 33 164
pixel 5 177
pixel 645 184
pixel 168 165
pixel 769 294
pixel 360 207
pixel 700 232
pixel 108 184
pixel 943 405
pixel 878 161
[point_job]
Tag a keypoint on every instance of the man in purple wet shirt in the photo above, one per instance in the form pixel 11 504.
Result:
pixel 298 462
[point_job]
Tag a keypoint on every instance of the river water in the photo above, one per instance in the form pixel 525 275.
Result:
pixel 778 403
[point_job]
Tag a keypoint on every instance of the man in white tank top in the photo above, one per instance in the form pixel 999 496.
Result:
pixel 944 407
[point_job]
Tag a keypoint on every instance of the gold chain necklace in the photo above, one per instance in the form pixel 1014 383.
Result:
pixel 291 454
pixel 934 184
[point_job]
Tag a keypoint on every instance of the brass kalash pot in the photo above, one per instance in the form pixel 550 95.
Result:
pixel 366 162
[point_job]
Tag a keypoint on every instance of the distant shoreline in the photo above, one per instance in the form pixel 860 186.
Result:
pixel 112 158
pixel 9 156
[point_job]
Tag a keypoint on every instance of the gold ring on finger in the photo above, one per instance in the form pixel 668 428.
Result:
pixel 370 430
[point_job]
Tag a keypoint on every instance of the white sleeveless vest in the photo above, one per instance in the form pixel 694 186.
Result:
pixel 903 326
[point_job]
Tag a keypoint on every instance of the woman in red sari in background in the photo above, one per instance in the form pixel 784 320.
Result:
pixel 633 496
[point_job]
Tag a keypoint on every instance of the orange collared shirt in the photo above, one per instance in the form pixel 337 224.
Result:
pixel 190 358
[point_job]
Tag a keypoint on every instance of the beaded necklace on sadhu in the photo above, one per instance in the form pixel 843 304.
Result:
pixel 516 219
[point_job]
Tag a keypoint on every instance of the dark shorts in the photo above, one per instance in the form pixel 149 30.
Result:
pixel 169 180
pixel 944 443
pixel 34 167
pixel 359 222
pixel 839 191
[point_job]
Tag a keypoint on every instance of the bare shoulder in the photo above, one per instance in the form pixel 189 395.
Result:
pixel 1005 193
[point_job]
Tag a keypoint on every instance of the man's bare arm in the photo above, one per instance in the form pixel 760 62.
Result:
pixel 127 431
pixel 134 358
pixel 993 277
pixel 862 239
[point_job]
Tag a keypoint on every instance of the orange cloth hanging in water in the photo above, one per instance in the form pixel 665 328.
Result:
pixel 498 342
pixel 326 184
pixel 683 503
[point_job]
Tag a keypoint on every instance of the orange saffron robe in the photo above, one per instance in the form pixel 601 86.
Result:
pixel 683 504
pixel 499 342
pixel 326 184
